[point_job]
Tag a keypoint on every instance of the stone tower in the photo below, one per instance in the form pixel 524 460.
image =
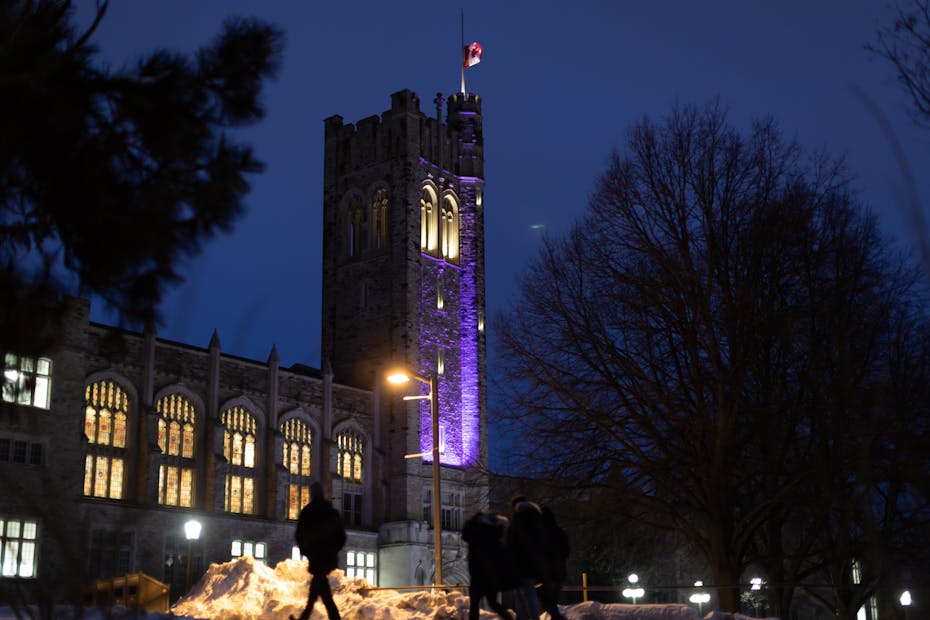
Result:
pixel 403 285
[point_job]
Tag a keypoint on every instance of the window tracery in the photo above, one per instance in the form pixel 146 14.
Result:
pixel 106 414
pixel 177 417
pixel 297 458
pixel 239 441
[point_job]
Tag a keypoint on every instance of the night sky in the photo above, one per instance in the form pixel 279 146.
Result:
pixel 561 83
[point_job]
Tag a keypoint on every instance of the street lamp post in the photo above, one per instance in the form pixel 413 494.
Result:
pixel 699 598
pixel 906 602
pixel 433 396
pixel 191 533
pixel 635 591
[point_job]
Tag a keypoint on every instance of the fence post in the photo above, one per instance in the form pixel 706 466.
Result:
pixel 584 587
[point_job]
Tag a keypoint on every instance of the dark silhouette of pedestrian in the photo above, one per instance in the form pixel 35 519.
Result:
pixel 491 568
pixel 320 535
pixel 526 538
pixel 556 551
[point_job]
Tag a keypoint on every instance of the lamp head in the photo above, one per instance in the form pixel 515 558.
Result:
pixel 398 376
pixel 192 529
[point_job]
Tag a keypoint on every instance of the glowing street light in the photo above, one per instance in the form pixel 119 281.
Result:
pixel 906 602
pixel 699 598
pixel 400 376
pixel 191 533
pixel 634 592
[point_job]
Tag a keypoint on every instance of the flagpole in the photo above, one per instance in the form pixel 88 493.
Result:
pixel 462 47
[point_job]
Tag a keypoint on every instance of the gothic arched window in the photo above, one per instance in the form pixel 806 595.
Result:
pixel 351 449
pixel 239 439
pixel 429 229
pixel 379 220
pixel 450 229
pixel 355 232
pixel 298 443
pixel 176 441
pixel 106 416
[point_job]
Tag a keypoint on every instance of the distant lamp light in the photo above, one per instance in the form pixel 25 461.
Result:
pixel 633 593
pixel 756 583
pixel 398 377
pixel 906 598
pixel 192 529
pixel 191 533
pixel 699 598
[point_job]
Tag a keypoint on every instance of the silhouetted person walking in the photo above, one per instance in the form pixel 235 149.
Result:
pixel 556 555
pixel 320 535
pixel 526 538
pixel 491 568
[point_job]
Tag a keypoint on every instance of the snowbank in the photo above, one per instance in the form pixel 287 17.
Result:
pixel 244 590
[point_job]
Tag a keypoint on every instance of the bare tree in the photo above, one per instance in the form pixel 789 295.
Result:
pixel 906 43
pixel 666 351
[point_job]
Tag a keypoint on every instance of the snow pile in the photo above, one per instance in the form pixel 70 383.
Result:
pixel 592 610
pixel 245 590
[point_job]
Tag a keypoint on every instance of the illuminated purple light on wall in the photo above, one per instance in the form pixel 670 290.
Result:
pixel 459 403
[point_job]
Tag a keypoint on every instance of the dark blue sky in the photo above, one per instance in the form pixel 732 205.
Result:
pixel 561 83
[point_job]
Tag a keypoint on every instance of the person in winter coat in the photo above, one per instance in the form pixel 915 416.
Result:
pixel 526 538
pixel 556 555
pixel 491 568
pixel 320 535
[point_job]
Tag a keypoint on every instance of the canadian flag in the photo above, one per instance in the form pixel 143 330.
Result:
pixel 472 54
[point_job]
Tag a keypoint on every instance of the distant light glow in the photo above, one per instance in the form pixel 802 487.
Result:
pixel 633 578
pixel 537 226
pixel 192 529
pixel 906 598
pixel 700 597
pixel 756 583
pixel 398 377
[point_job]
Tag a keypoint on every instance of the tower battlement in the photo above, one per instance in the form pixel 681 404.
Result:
pixel 455 146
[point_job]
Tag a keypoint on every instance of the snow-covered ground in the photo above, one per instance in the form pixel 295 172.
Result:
pixel 245 590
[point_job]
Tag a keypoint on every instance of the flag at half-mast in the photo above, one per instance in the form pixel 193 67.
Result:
pixel 471 54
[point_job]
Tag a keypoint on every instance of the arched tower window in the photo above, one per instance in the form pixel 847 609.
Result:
pixel 450 229
pixel 379 219
pixel 349 459
pixel 355 233
pixel 106 415
pixel 429 227
pixel 298 442
pixel 176 442
pixel 239 430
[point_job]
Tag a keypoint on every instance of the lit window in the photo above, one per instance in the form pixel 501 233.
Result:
pixel 106 414
pixel 361 564
pixel 450 229
pixel 349 457
pixel 296 459
pixel 27 380
pixel 429 228
pixel 257 550
pixel 176 441
pixel 379 219
pixel 239 430
pixel 18 547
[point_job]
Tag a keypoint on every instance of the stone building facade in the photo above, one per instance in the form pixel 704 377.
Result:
pixel 111 443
